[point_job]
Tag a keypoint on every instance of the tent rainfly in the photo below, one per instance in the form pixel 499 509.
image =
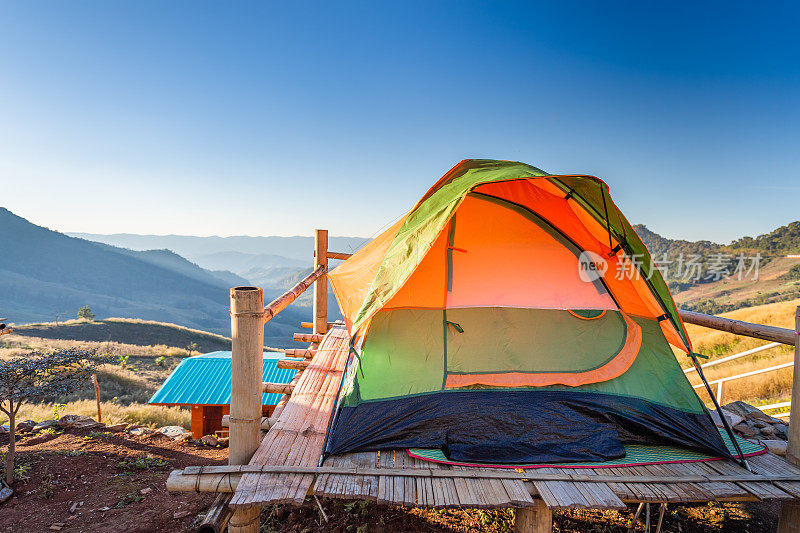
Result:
pixel 516 315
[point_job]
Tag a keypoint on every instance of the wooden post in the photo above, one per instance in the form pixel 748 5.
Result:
pixel 97 397
pixel 789 521
pixel 321 285
pixel 247 369
pixel 536 519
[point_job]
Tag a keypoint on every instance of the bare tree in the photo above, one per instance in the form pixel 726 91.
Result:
pixel 37 376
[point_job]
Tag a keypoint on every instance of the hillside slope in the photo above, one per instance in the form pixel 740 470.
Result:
pixel 778 277
pixel 44 273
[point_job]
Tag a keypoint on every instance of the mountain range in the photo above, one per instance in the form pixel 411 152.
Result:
pixel 45 274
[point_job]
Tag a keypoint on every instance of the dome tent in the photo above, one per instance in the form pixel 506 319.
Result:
pixel 476 331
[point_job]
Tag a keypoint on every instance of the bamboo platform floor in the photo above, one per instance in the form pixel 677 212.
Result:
pixel 297 440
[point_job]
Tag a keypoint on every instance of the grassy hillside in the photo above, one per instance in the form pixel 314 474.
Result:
pixel 778 277
pixel 771 387
pixel 126 331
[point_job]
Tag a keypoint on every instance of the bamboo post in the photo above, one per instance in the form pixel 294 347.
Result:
pixel 789 521
pixel 247 368
pixel 321 285
pixel 97 397
pixel 536 519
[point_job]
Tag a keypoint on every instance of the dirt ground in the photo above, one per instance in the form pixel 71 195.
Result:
pixel 98 482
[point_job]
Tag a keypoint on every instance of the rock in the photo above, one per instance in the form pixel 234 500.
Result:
pixel 745 430
pixel 146 490
pixel 58 526
pixel 117 427
pixel 26 425
pixel 46 424
pixel 782 430
pixel 78 421
pixel 733 418
pixel 760 424
pixel 758 416
pixel 209 440
pixel 5 493
pixel 186 437
pixel 768 431
pixel 778 447
pixel 223 441
pixel 740 408
pixel 74 507
pixel 181 514
pixel 141 431
pixel 173 431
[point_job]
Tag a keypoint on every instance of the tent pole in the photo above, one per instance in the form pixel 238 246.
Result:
pixel 725 423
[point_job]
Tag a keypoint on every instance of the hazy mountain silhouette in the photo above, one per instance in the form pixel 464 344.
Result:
pixel 44 273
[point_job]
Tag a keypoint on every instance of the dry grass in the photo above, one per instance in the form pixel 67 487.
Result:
pixel 124 391
pixel 771 387
pixel 113 413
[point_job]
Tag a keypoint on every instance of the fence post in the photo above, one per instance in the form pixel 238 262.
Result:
pixel 321 285
pixel 247 369
pixel 720 391
pixel 789 521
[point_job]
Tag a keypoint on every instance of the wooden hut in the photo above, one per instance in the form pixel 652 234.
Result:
pixel 203 382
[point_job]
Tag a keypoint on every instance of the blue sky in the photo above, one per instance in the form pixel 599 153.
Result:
pixel 275 118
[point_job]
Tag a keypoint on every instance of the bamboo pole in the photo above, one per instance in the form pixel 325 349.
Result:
pixel 339 255
pixel 738 327
pixel 266 422
pixel 536 519
pixel 247 367
pixel 97 397
pixel 217 516
pixel 307 337
pixel 310 325
pixel 321 285
pixel 281 302
pixel 293 365
pixel 180 482
pixel 306 353
pixel 277 388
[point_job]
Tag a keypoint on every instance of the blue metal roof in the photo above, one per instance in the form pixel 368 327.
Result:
pixel 206 380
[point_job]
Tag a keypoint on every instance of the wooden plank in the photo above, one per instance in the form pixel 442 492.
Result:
pixel 773 466
pixel 297 438
pixel 624 475
pixel 761 490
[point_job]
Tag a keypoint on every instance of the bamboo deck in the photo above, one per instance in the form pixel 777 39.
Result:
pixel 297 440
